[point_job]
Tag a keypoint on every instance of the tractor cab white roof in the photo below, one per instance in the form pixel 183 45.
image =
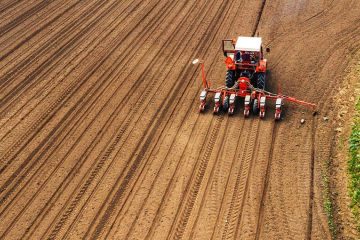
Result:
pixel 249 44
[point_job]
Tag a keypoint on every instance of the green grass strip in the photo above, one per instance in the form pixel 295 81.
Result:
pixel 354 166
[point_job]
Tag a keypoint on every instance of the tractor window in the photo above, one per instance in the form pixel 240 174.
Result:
pixel 254 57
pixel 228 46
pixel 245 56
pixel 238 56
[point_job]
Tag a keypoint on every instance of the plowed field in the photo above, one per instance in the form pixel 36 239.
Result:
pixel 100 135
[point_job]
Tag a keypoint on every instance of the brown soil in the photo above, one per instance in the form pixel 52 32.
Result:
pixel 346 225
pixel 100 135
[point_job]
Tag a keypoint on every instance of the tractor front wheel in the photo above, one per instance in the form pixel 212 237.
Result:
pixel 230 78
pixel 255 108
pixel 225 104
pixel 260 83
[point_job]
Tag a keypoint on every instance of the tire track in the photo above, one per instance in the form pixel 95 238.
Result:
pixel 213 182
pixel 130 118
pixel 266 181
pixel 213 193
pixel 64 126
pixel 169 41
pixel 136 181
pixel 49 88
pixel 216 21
pixel 8 6
pixel 11 11
pixel 45 118
pixel 242 182
pixel 192 194
pixel 172 146
pixel 94 172
pixel 23 17
pixel 34 75
pixel 259 17
pixel 33 32
pixel 184 77
pixel 178 233
pixel 51 62
pixel 119 44
pixel 179 230
pixel 246 222
pixel 312 30
pixel 79 106
pixel 59 37
pixel 237 149
pixel 349 38
pixel 17 32
pixel 184 216
pixel 319 65
pixel 326 93
pixel 129 175
pixel 312 181
pixel 151 230
pixel 309 21
pixel 239 155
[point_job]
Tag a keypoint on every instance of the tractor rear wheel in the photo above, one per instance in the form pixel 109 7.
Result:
pixel 260 80
pixel 230 78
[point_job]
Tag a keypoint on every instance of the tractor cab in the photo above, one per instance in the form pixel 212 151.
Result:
pixel 244 52
pixel 244 58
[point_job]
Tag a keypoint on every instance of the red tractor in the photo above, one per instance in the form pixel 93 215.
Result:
pixel 245 78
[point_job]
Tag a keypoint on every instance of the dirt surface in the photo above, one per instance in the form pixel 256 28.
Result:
pixel 346 225
pixel 100 134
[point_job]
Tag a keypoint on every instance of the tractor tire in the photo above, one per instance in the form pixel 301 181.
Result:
pixel 230 78
pixel 225 105
pixel 255 107
pixel 260 81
